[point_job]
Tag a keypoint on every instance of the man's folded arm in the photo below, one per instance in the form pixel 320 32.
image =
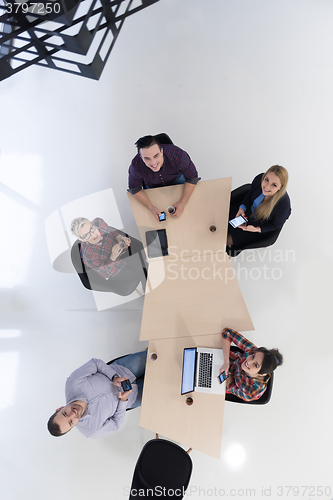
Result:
pixel 113 423
pixel 93 366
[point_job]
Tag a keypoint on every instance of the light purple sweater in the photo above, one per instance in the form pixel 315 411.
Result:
pixel 92 384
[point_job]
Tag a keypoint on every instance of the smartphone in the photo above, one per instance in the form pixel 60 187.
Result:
pixel 126 385
pixel 157 243
pixel 238 221
pixel 162 216
pixel 222 377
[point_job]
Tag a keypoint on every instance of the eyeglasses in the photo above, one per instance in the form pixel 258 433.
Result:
pixel 87 235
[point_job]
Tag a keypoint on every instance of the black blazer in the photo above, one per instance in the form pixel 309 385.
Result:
pixel 280 212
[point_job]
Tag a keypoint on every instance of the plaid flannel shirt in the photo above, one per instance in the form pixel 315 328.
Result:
pixel 97 257
pixel 175 162
pixel 243 386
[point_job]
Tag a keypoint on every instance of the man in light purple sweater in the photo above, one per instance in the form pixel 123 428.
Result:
pixel 95 402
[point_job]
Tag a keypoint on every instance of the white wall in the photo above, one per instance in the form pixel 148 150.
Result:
pixel 241 85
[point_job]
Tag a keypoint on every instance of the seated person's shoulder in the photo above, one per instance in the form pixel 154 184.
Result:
pixel 98 221
pixel 284 202
pixel 136 161
pixel 172 149
pixel 286 198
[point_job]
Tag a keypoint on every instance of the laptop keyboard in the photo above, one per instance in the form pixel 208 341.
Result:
pixel 205 369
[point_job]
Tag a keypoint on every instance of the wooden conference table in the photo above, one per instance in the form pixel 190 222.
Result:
pixel 188 234
pixel 193 295
pixel 193 290
pixel 164 409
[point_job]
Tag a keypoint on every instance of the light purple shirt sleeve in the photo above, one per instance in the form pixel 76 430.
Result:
pixel 92 383
pixel 112 423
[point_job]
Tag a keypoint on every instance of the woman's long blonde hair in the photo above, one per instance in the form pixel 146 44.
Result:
pixel 264 210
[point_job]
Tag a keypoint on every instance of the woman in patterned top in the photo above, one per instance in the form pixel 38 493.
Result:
pixel 249 371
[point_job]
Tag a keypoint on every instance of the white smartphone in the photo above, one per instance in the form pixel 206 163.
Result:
pixel 238 221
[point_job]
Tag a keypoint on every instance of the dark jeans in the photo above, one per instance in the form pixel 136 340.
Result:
pixel 137 364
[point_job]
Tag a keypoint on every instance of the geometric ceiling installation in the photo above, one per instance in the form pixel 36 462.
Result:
pixel 68 35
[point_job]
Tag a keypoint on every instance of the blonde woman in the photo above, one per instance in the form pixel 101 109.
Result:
pixel 266 207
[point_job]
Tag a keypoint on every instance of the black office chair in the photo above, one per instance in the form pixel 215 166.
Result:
pixel 264 399
pixel 161 464
pixel 237 196
pixel 163 138
pixel 115 359
pixel 93 281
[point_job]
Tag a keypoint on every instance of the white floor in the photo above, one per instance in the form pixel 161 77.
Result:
pixel 240 85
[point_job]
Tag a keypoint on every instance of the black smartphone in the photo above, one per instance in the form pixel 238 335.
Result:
pixel 157 243
pixel 126 385
pixel 162 216
pixel 222 377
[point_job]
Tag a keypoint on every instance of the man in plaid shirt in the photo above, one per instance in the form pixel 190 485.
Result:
pixel 104 249
pixel 157 166
pixel 249 371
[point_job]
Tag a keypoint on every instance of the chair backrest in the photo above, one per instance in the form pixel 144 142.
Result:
pixel 264 399
pixel 238 194
pixel 161 464
pixel 115 359
pixel 163 138
pixel 79 265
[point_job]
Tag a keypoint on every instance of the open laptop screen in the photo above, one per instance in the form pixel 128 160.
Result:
pixel 188 375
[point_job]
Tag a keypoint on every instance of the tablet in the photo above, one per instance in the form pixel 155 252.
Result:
pixel 157 243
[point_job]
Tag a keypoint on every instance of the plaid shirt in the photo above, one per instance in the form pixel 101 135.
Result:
pixel 243 386
pixel 175 162
pixel 98 256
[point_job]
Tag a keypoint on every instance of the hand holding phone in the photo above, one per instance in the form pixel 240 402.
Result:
pixel 126 385
pixel 222 377
pixel 162 216
pixel 238 221
pixel 126 388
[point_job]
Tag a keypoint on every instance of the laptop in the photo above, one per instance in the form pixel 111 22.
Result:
pixel 201 367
